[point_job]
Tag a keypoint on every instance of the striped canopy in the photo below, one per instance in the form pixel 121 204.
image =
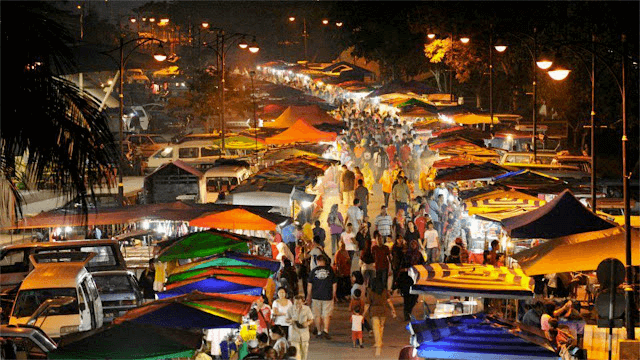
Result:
pixel 471 280
pixel 502 200
pixel 203 243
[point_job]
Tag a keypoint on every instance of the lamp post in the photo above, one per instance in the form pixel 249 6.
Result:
pixel 221 51
pixel 158 56
pixel 252 74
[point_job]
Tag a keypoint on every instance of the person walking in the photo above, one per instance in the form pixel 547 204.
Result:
pixel 356 326
pixel 348 238
pixel 321 293
pixel 376 306
pixel 299 317
pixel 320 233
pixel 401 194
pixel 347 185
pixel 382 258
pixel 362 195
pixel 383 222
pixel 342 268
pixel 354 215
pixel 431 244
pixel 335 220
pixel 279 310
pixel 412 257
pixel 387 185
pixel 367 262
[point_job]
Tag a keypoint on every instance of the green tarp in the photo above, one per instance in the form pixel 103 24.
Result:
pixel 202 244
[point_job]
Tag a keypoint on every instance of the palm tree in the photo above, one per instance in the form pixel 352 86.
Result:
pixel 51 130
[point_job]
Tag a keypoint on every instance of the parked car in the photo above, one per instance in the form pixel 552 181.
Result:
pixel 148 143
pixel 221 178
pixel 119 292
pixel 15 265
pixel 24 342
pixel 55 276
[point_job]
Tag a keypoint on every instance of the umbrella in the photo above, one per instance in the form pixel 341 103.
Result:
pixel 201 244
pixel 239 218
pixel 474 119
pixel 220 271
pixel 196 310
pixel 223 285
pixel 129 341
pixel 502 200
pixel 471 280
pixel 528 179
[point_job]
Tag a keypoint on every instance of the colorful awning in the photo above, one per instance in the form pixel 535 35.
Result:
pixel 471 171
pixel 202 244
pixel 471 280
pixel 213 285
pixel 502 200
pixel 240 218
pixel 195 310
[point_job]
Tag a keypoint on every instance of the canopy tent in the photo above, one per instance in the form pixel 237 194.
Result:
pixel 312 114
pixel 564 215
pixel 463 147
pixel 129 341
pixel 201 244
pixel 418 112
pixel 281 154
pixel 593 247
pixel 215 271
pixel 477 337
pixel 301 131
pixel 196 310
pixel 214 285
pixel 456 161
pixel 427 124
pixel 419 103
pixel 474 119
pixel 470 172
pixel 256 260
pixel 240 142
pixel 471 280
pixel 498 216
pixel 272 111
pixel 502 200
pixel 532 180
pixel 412 86
pixel 231 261
pixel 470 193
pixel 239 218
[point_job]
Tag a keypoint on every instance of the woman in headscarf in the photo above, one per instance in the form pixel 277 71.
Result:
pixel 399 224
pixel 368 176
pixel 335 220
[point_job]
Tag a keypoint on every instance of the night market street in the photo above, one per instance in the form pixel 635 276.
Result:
pixel 311 180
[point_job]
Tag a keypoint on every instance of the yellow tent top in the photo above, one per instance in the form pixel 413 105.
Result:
pixel 502 200
pixel 473 119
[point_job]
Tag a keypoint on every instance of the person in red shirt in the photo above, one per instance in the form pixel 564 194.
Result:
pixel 421 221
pixel 382 256
pixel 342 268
pixel 405 153
pixel 391 152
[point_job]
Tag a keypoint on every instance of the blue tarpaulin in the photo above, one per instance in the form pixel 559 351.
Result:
pixel 258 261
pixel 474 337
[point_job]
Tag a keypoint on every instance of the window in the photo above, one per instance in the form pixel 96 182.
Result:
pixel 210 151
pixel 25 348
pixel 104 256
pixel 145 141
pixel 217 184
pixel 188 153
pixel 523 159
pixel 110 284
pixel 158 139
pixel 166 153
pixel 28 301
pixel 14 261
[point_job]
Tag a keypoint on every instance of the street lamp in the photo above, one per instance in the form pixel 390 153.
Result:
pixel 558 72
pixel 325 21
pixel 221 53
pixel 159 55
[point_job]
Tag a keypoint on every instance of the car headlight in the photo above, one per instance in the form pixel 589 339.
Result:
pixel 69 329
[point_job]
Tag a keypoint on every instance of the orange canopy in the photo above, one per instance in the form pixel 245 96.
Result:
pixel 312 114
pixel 301 131
pixel 232 220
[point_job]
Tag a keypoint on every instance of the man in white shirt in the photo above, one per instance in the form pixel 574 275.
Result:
pixel 349 239
pixel 431 243
pixel 354 215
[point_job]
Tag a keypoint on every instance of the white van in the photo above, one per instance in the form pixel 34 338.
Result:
pixel 59 275
pixel 221 178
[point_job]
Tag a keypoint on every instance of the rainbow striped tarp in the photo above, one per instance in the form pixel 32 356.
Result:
pixel 471 280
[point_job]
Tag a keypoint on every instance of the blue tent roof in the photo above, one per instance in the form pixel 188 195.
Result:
pixel 181 316
pixel 473 337
pixel 212 285
pixel 273 265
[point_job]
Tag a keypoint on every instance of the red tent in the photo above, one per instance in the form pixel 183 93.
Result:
pixel 301 131
pixel 312 114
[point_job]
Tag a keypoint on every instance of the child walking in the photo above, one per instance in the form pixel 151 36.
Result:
pixel 356 326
